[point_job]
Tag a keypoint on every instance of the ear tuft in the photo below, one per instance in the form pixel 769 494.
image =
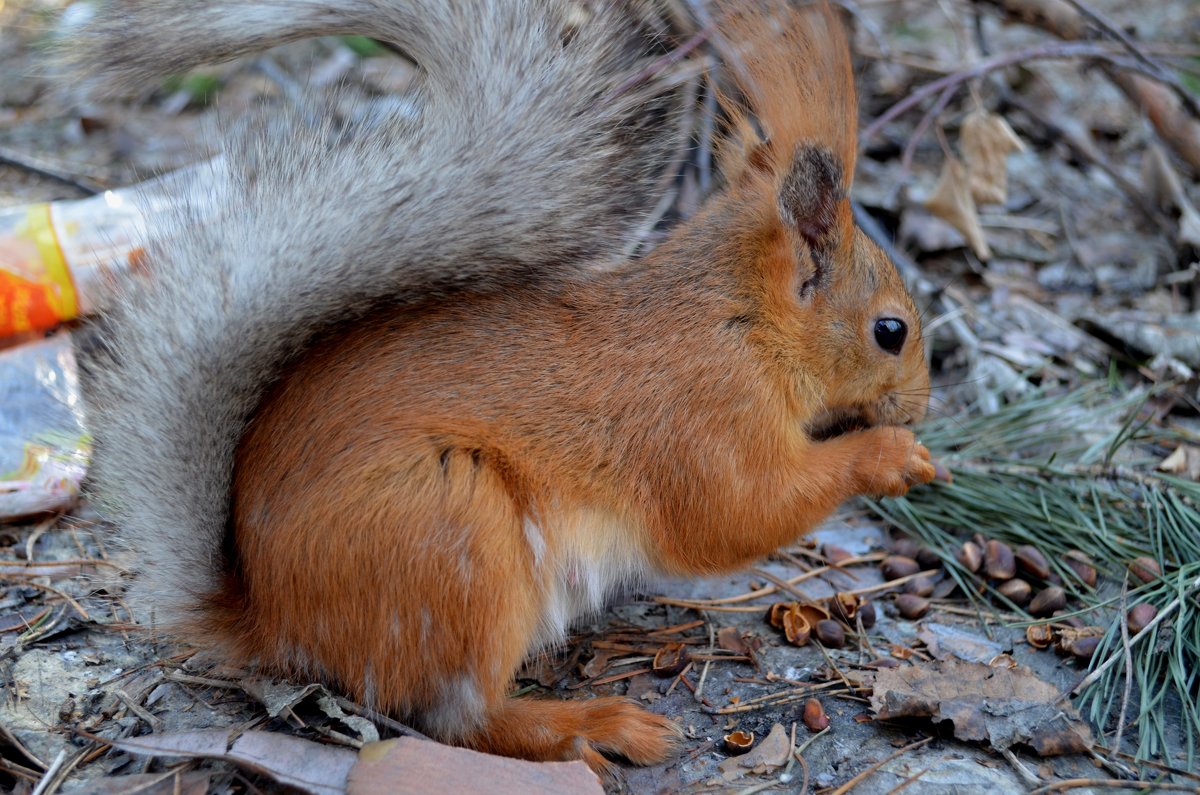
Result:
pixel 810 193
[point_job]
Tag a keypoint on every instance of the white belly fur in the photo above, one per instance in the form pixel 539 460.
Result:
pixel 583 557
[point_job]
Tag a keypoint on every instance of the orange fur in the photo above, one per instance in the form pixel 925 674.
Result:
pixel 427 497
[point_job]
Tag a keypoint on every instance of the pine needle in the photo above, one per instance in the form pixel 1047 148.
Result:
pixel 1077 471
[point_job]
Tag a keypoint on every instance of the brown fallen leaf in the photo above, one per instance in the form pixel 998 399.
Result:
pixel 307 766
pixel 1185 462
pixel 1001 705
pixel 406 766
pixel 774 751
pixel 951 201
pixel 986 139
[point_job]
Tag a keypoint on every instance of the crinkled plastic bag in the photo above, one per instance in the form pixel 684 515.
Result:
pixel 44 448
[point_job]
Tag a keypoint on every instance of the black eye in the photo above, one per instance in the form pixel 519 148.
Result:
pixel 890 334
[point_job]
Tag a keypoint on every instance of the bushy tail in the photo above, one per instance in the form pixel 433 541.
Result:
pixel 526 156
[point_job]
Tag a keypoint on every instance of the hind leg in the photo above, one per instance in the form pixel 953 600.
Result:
pixel 416 589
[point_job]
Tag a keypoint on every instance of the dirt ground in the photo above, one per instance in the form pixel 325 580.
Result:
pixel 1090 274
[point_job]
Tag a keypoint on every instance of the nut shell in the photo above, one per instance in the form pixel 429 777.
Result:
pixel 670 660
pixel 738 742
pixel 1039 636
pixel 796 628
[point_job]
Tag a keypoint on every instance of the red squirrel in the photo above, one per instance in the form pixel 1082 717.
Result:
pixel 426 494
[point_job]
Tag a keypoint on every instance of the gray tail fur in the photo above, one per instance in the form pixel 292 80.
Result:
pixel 526 156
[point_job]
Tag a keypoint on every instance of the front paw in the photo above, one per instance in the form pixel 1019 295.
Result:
pixel 889 460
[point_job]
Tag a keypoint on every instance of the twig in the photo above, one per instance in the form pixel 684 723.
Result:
pixel 17 160
pixel 43 786
pixel 908 782
pixel 12 740
pixel 1111 783
pixel 1046 52
pixel 782 584
pixel 1027 775
pixel 78 608
pixel 137 709
pixel 771 589
pixel 854 782
pixel 1128 652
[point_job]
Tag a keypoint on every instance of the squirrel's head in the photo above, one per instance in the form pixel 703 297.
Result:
pixel 834 314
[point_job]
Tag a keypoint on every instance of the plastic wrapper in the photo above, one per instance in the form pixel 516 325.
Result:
pixel 55 257
pixel 57 261
pixel 44 447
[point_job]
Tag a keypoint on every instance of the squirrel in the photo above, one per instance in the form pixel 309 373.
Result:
pixel 405 500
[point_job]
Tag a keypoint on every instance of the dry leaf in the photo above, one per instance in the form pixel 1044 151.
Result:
pixel 406 766
pixel 952 202
pixel 1185 462
pixel 986 139
pixel 307 766
pixel 773 752
pixel 1004 706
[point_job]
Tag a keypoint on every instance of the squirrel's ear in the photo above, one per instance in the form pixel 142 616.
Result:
pixel 810 194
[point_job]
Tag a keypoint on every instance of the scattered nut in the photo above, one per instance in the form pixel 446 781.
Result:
pixel 1082 566
pixel 897 566
pixel 1081 642
pixel 1015 591
pixel 670 660
pixel 866 613
pixel 812 612
pixel 738 742
pixel 1031 561
pixel 905 548
pixel 921 586
pixel 1140 615
pixel 912 606
pixel 1145 569
pixel 814 716
pixel 836 555
pixel 970 556
pixel 830 633
pixel 1074 622
pixel 998 561
pixel 1047 601
pixel 928 559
